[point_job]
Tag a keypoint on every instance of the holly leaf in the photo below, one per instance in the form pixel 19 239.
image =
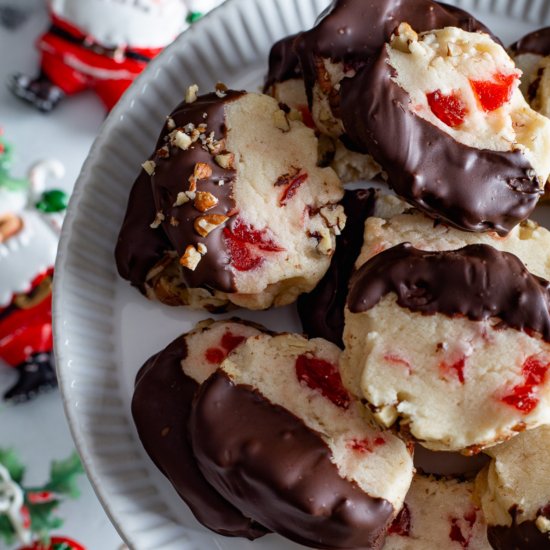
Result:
pixel 64 476
pixel 6 530
pixel 10 460
pixel 42 520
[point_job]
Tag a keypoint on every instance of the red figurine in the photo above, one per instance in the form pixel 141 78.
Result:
pixel 98 44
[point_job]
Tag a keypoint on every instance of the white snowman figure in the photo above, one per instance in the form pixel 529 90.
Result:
pixel 102 45
pixel 30 221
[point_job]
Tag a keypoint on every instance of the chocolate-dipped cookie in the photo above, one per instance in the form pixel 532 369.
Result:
pixel 442 113
pixel 288 444
pixel 514 490
pixel 161 404
pixel 452 345
pixel 250 217
pixel 348 34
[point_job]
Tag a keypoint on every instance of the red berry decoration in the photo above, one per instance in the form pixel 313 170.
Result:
pixel 402 523
pixel 450 109
pixel 494 93
pixel 324 377
pixel 56 543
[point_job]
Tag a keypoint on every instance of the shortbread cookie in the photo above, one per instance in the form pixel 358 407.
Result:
pixel 349 34
pixel 285 83
pixel 438 513
pixel 276 433
pixel 164 389
pixel 532 55
pixel 453 346
pixel 470 152
pixel 250 217
pixel 515 492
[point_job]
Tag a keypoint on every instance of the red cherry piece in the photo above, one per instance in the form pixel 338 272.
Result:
pixel 494 93
pixel 40 497
pixel 307 119
pixel 457 533
pixel 402 523
pixel 243 243
pixel 365 445
pixel 450 109
pixel 457 368
pixel 215 355
pixel 524 396
pixel 56 543
pixel 324 377
pixel 292 188
pixel 230 341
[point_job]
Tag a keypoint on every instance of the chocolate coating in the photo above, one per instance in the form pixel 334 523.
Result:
pixel 472 189
pixel 283 63
pixel 139 247
pixel 275 469
pixel 352 31
pixel 537 42
pixel 476 281
pixel 172 176
pixel 522 536
pixel 160 407
pixel 322 310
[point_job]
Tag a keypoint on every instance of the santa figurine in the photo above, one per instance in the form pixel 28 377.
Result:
pixel 30 222
pixel 101 45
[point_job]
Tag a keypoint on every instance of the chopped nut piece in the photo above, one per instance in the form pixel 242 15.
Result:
pixel 180 139
pixel 149 166
pixel 221 182
pixel 403 37
pixel 202 249
pixel 174 222
pixel 325 246
pixel 202 171
pixel 191 94
pixel 205 201
pixel 182 198
pixel 159 218
pixel 170 124
pixel 202 127
pixel 206 224
pixel 163 152
pixel 334 217
pixel 281 121
pixel 191 258
pixel 191 195
pixel 221 90
pixel 226 161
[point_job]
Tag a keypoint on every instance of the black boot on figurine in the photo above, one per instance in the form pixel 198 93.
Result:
pixel 36 374
pixel 39 92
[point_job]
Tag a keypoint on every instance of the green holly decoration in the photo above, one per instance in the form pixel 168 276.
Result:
pixel 6 157
pixel 40 502
pixel 194 16
pixel 52 201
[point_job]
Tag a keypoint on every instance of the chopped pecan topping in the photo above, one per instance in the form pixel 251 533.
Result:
pixel 205 201
pixel 202 171
pixel 191 94
pixel 191 258
pixel 159 218
pixel 204 225
pixel 149 166
pixel 226 161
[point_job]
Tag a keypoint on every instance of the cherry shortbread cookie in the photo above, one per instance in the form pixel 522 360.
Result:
pixel 246 215
pixel 290 447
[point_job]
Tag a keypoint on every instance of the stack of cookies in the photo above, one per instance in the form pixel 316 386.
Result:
pixel 415 411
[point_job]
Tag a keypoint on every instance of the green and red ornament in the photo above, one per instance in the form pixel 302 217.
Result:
pixel 27 513
pixel 30 222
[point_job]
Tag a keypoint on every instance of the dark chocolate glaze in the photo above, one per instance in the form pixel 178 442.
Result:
pixel 172 176
pixel 352 31
pixel 469 188
pixel 139 247
pixel 275 469
pixel 322 310
pixel 537 42
pixel 518 536
pixel 476 281
pixel 283 63
pixel 160 406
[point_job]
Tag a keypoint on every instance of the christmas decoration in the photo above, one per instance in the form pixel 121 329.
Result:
pixel 26 513
pixel 98 44
pixel 30 221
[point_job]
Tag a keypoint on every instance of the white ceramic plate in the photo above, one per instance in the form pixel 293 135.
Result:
pixel 104 329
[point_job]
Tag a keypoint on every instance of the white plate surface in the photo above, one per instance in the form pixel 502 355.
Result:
pixel 105 330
